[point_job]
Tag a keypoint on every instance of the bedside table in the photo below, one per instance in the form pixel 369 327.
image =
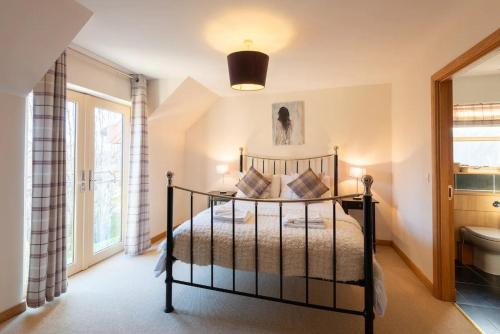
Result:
pixel 350 203
pixel 220 200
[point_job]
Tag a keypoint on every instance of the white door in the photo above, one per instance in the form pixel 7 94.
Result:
pixel 97 164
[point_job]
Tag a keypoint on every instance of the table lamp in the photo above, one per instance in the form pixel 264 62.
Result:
pixel 222 170
pixel 357 173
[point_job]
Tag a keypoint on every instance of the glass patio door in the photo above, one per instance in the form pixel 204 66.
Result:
pixel 99 179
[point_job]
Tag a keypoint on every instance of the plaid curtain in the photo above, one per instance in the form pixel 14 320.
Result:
pixel 138 238
pixel 47 263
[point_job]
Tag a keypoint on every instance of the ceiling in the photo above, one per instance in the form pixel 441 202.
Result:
pixel 312 44
pixel 487 65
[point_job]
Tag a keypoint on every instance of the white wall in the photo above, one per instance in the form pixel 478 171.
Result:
pixel 159 90
pixel 358 119
pixel 31 40
pixel 411 129
pixel 166 152
pixel 172 110
pixel 11 199
pixel 30 44
pixel 476 89
pixel 412 192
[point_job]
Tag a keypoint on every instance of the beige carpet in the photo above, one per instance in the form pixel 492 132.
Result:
pixel 121 295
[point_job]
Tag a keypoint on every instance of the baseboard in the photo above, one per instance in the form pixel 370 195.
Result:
pixel 381 242
pixel 12 312
pixel 416 270
pixel 158 237
pixel 469 318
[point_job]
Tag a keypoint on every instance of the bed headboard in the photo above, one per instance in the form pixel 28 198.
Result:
pixel 328 163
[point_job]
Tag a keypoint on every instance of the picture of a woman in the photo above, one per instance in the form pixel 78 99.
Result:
pixel 288 123
pixel 283 127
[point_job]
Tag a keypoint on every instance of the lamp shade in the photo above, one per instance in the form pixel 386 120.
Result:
pixel 356 172
pixel 221 169
pixel 247 70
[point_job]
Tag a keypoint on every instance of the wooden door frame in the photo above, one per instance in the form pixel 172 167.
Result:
pixel 442 141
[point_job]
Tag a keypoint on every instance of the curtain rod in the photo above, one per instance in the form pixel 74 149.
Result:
pixel 101 62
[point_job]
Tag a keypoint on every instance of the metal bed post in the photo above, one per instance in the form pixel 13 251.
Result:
pixel 334 253
pixel 256 251
pixel 234 247
pixel 281 249
pixel 307 251
pixel 211 241
pixel 335 171
pixel 368 258
pixel 241 159
pixel 170 246
pixel 191 256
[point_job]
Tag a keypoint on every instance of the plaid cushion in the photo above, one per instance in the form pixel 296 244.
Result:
pixel 308 185
pixel 253 183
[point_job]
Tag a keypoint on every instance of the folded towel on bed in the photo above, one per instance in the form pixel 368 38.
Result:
pixel 313 221
pixel 302 224
pixel 225 214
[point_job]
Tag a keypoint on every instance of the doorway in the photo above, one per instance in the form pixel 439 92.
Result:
pixel 97 137
pixel 443 178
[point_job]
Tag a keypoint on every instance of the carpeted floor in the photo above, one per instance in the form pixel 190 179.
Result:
pixel 121 295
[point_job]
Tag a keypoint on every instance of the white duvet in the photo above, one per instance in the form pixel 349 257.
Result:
pixel 349 244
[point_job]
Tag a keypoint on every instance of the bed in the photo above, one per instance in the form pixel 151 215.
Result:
pixel 339 252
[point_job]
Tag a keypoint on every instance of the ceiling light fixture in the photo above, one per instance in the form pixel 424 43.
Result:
pixel 247 69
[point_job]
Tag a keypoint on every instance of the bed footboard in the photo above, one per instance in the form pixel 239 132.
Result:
pixel 367 313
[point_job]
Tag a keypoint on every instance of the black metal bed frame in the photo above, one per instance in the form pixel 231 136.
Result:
pixel 367 282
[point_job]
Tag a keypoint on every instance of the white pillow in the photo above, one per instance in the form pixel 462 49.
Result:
pixel 276 186
pixel 272 190
pixel 286 192
pixel 326 179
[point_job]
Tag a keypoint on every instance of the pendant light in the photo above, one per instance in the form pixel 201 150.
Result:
pixel 247 69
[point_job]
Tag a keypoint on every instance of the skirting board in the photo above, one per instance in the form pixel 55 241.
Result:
pixel 12 312
pixel 416 270
pixel 158 237
pixel 381 242
pixel 469 319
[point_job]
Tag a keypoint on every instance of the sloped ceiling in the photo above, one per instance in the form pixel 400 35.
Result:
pixel 188 102
pixel 32 36
pixel 312 44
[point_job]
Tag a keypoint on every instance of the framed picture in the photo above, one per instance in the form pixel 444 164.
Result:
pixel 288 123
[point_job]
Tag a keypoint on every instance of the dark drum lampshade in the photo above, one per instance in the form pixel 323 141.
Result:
pixel 247 70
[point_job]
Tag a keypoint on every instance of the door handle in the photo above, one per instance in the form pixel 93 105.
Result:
pixel 91 180
pixel 450 192
pixel 83 183
pixel 496 204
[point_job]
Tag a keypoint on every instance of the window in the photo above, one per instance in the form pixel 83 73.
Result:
pixel 476 134
pixel 477 145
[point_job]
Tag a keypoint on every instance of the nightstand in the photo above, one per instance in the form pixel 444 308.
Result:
pixel 351 203
pixel 221 200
